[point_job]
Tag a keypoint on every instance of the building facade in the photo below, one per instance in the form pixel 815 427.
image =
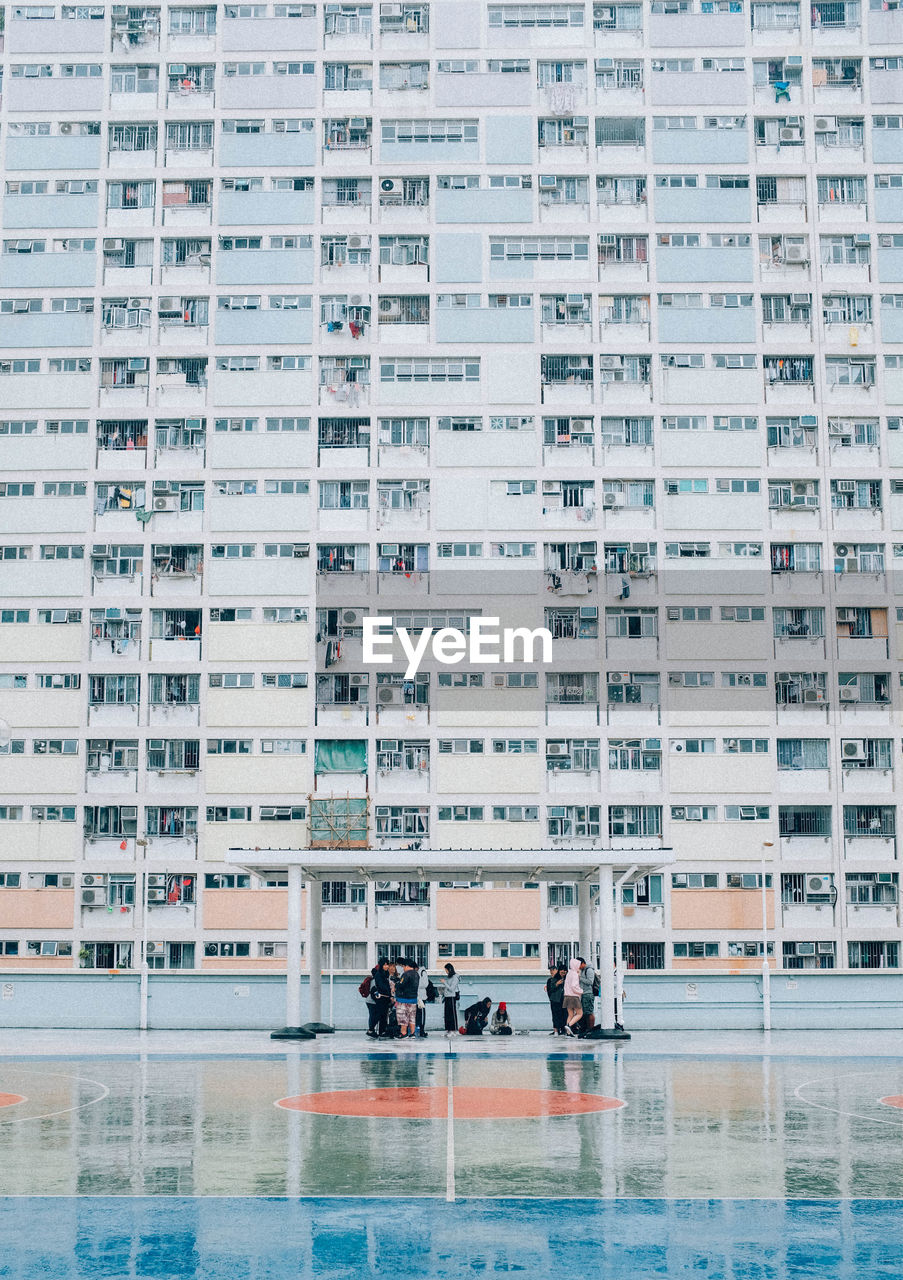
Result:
pixel 306 309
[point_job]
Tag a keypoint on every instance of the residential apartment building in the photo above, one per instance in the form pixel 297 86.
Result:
pixel 306 308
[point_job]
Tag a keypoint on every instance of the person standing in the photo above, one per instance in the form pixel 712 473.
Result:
pixel 587 994
pixel 555 992
pixel 406 1000
pixel 573 1004
pixel 451 992
pixel 381 992
pixel 423 982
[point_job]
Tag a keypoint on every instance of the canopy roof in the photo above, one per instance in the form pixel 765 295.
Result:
pixel 453 864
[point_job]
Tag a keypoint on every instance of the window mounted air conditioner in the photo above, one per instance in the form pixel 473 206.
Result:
pixel 808 420
pixel 359 681
pixel 386 694
pixel 799 300
pixel 818 885
pixel 166 504
pixel 156 895
pixel 805 948
pixel 852 749
pixel 95 879
pixel 790 134
pixel 575 300
pixel 391 186
pixel 156 880
pixel 849 693
pixel 137 364
pixel 861 239
pixel 813 695
pixel 154 948
pixel 547 182
pixel 94 897
pixel 796 253
pixel 825 124
pixel 618 677
pixel 557 749
pixel 612 500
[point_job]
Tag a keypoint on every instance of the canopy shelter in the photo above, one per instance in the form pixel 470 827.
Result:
pixel 612 867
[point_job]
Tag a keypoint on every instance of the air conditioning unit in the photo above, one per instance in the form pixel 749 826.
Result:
pixel 574 299
pixel 794 60
pixel 169 305
pixel 800 488
pixel 799 299
pixel 96 879
pixel 805 948
pixel 391 10
pixel 557 749
pixel 166 504
pixel 841 550
pixel 390 307
pixel 94 897
pixel 154 948
pixel 359 681
pixel 210 949
pixel 609 362
pixel 652 744
pixel 796 253
pixel 612 500
pixel 852 749
pixel 137 364
pixel 845 486
pixel 825 124
pixel 156 895
pixel 387 694
pixel 66 882
pixel 618 677
pixel 790 134
pixel 156 880
pixel 588 612
pixel 66 128
pixel 862 239
pixel 849 693
pixel 547 182
pixel 818 885
pixel 391 186
pixel 813 695
pixel 300 550
pixel 808 419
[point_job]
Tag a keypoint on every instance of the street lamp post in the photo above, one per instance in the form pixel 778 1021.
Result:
pixel 766 970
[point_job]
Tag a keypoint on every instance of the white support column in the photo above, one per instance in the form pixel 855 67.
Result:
pixel 606 948
pixel 584 922
pixel 315 948
pixel 293 950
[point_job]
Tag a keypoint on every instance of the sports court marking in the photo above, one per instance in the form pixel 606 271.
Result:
pixel 11 1099
pixel 63 1111
pixel 892 1100
pixel 435 1103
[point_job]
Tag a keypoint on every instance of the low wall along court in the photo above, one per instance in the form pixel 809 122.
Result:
pixel 256 1001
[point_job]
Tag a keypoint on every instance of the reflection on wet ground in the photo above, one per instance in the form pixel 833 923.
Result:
pixel 708 1127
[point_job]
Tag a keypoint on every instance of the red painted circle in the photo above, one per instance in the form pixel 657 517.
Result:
pixel 469 1103
pixel 10 1099
pixel 892 1100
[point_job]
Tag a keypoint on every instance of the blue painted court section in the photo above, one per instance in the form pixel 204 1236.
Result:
pixel 201 1238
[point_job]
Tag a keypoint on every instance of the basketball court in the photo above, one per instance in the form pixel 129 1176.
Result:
pixel 653 1158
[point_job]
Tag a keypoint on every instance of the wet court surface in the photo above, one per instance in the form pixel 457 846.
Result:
pixel 438 1164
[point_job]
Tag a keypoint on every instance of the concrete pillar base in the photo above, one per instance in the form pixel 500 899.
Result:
pixel 319 1028
pixel 603 1033
pixel 293 1033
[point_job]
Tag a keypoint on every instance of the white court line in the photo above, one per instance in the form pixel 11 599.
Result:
pixel 46 1115
pixel 837 1111
pixel 450 1137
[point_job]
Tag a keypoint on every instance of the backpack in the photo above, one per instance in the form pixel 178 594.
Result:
pixel 431 993
pixel 597 985
pixel 365 986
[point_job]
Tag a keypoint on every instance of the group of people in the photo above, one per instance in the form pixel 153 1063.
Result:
pixel 398 991
pixel 572 989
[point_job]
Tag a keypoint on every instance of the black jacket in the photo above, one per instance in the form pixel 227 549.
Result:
pixel 380 986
